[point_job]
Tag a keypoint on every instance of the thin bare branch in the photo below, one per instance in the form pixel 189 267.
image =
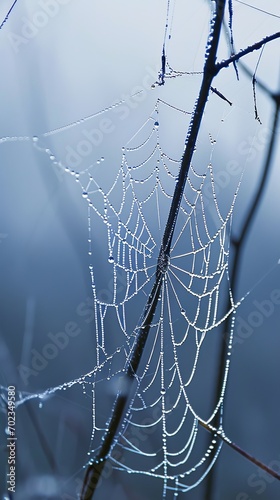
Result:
pixel 256 46
pixel 221 435
pixel 7 15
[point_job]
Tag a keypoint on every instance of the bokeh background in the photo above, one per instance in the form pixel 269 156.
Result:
pixel 63 61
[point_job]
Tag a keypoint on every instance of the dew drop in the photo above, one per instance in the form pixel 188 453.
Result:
pixel 35 138
pixel 111 259
pixel 163 391
pixel 102 158
pixel 40 405
pixel 156 125
pixel 84 194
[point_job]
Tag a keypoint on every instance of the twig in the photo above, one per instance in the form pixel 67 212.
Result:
pixel 221 435
pixel 254 81
pixel 220 95
pixel 7 15
pixel 256 46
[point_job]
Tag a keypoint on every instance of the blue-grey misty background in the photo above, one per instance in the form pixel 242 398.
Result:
pixel 81 58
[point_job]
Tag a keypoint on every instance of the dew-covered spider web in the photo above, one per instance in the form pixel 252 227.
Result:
pixel 125 186
pixel 160 435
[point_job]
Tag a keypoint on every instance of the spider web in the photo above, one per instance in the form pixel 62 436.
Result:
pixel 190 305
pixel 163 402
pixel 127 209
